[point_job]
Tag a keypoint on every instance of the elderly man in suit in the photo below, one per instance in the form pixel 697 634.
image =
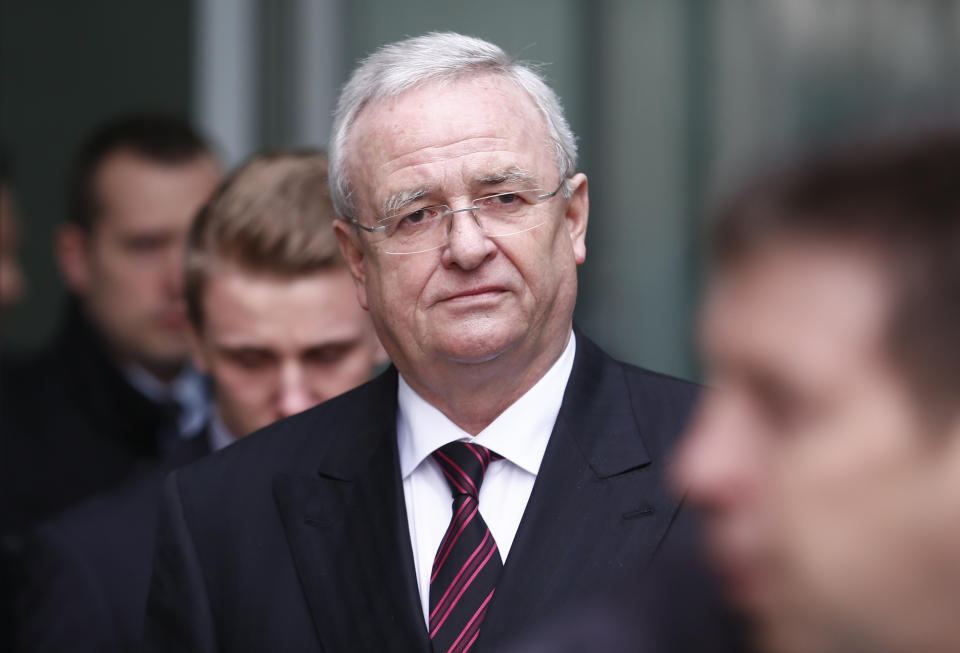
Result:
pixel 504 468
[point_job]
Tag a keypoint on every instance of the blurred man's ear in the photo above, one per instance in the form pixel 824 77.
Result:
pixel 73 257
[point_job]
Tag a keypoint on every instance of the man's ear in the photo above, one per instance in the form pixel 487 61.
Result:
pixel 72 247
pixel 577 213
pixel 353 254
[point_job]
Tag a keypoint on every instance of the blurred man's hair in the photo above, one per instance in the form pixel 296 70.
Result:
pixel 272 216
pixel 898 201
pixel 438 57
pixel 158 138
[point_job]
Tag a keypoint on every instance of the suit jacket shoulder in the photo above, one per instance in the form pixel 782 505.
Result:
pixel 86 572
pixel 337 435
pixel 69 414
pixel 225 575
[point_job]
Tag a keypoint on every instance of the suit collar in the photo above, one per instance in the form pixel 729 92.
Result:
pixel 371 411
pixel 94 382
pixel 347 529
pixel 597 396
pixel 599 508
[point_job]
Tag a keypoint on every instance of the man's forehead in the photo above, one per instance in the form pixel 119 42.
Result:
pixel 798 309
pixel 457 122
pixel 136 194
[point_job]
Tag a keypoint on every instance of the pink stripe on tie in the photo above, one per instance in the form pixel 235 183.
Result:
pixel 470 643
pixel 465 568
pixel 483 463
pixel 465 588
pixel 463 473
pixel 439 562
pixel 478 618
pixel 453 480
pixel 449 534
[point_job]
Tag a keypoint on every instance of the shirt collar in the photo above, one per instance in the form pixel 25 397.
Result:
pixel 520 433
pixel 219 436
pixel 189 390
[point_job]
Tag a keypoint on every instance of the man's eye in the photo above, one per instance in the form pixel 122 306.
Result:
pixel 502 202
pixel 415 218
pixel 250 360
pixel 145 244
pixel 327 354
pixel 419 218
pixel 506 198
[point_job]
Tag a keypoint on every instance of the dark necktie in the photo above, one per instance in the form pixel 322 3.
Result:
pixel 467 564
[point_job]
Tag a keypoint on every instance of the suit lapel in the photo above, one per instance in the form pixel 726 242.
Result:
pixel 598 508
pixel 348 534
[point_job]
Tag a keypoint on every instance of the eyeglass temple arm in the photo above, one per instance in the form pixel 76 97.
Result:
pixel 555 190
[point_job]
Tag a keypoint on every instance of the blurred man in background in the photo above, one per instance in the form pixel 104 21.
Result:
pixel 275 322
pixel 113 395
pixel 12 283
pixel 828 458
pixel 272 321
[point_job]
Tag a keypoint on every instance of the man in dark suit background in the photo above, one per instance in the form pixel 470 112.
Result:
pixel 275 322
pixel 112 396
pixel 504 469
pixel 12 282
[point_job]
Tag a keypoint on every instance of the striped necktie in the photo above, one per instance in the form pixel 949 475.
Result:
pixel 467 564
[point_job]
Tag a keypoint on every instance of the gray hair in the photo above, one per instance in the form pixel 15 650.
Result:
pixel 437 57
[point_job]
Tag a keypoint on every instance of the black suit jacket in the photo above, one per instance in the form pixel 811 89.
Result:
pixel 87 572
pixel 296 538
pixel 72 427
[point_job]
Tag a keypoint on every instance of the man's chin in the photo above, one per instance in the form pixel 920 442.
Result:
pixel 164 362
pixel 480 347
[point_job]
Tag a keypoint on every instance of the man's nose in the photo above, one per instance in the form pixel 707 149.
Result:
pixel 713 465
pixel 294 395
pixel 173 271
pixel 468 245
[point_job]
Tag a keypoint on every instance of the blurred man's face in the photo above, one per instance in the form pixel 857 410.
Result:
pixel 277 346
pixel 11 274
pixel 128 270
pixel 832 510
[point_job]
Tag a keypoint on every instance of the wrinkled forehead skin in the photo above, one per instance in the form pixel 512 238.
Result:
pixel 388 133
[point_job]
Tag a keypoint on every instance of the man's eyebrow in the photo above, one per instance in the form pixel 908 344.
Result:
pixel 400 199
pixel 231 349
pixel 510 176
pixel 396 202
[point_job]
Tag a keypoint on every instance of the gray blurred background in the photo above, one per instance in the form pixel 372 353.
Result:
pixel 671 99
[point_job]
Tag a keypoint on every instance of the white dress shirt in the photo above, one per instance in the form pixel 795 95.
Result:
pixel 519 434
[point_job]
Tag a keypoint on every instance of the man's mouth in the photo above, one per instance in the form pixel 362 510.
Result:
pixel 475 294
